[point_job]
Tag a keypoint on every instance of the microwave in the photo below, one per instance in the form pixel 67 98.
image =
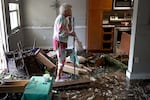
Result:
pixel 122 4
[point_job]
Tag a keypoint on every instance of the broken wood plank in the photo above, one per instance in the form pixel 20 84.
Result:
pixel 51 54
pixel 87 68
pixel 69 67
pixel 71 83
pixel 13 86
pixel 44 59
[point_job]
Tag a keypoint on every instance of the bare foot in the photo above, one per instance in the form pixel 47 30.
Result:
pixel 59 80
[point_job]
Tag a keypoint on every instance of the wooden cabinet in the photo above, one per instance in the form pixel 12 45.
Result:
pixel 108 39
pixel 94 23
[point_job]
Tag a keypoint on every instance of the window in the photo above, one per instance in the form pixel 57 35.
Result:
pixel 14 16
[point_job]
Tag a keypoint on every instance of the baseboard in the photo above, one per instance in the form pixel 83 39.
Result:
pixel 42 47
pixel 136 76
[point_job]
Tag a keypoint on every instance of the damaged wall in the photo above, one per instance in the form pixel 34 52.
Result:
pixel 38 20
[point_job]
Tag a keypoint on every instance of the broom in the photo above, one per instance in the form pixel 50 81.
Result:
pixel 77 46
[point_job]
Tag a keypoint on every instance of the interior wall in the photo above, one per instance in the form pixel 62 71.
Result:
pixel 139 64
pixel 38 19
pixel 13 39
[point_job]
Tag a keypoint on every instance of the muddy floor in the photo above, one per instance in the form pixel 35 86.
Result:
pixel 108 84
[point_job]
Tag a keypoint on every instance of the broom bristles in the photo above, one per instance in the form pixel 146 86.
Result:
pixel 78 44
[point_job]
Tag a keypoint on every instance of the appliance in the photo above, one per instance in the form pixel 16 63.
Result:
pixel 122 4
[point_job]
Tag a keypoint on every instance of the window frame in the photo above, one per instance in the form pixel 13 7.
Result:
pixel 16 29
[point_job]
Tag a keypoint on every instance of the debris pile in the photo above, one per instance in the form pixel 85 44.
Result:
pixel 96 77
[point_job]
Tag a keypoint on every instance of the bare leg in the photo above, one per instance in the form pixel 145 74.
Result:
pixel 61 55
pixel 59 72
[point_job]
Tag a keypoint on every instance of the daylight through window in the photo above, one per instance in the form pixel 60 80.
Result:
pixel 14 16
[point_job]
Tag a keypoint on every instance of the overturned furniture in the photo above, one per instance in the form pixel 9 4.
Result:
pixel 23 63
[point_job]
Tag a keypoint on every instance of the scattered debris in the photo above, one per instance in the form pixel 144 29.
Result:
pixel 115 61
pixel 97 78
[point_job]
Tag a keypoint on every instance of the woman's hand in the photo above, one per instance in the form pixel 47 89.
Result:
pixel 73 34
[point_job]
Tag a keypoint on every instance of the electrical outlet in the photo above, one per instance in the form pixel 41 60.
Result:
pixel 136 60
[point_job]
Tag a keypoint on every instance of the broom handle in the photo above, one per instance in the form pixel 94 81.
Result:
pixel 73 31
pixel 73 23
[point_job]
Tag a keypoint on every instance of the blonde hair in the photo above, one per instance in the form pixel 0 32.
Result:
pixel 64 7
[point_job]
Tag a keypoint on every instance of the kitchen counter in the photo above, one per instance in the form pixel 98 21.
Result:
pixel 123 28
pixel 117 26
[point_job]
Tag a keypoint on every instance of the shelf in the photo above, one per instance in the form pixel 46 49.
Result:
pixel 108 29
pixel 106 49
pixel 108 33
pixel 107 42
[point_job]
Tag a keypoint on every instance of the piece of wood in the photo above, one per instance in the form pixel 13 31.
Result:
pixel 125 43
pixel 44 60
pixel 71 83
pixel 13 86
pixel 87 68
pixel 69 67
pixel 51 54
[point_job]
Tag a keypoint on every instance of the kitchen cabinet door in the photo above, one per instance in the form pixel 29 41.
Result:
pixel 94 23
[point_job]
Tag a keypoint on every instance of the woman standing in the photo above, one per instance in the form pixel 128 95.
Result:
pixel 62 29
